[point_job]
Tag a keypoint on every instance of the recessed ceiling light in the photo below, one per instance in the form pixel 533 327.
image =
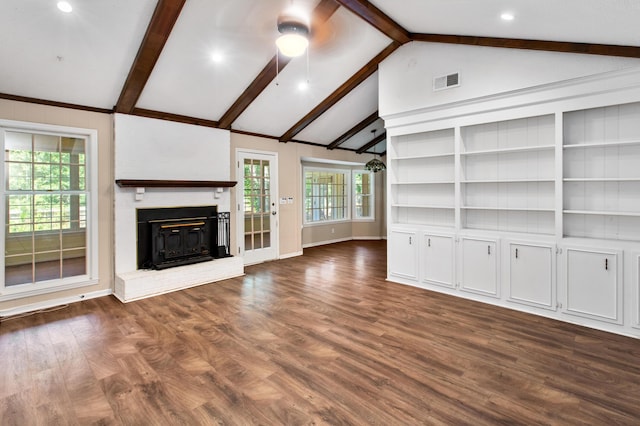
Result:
pixel 217 57
pixel 65 6
pixel 507 16
pixel 303 85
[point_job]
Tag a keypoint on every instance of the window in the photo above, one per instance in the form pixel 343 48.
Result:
pixel 46 209
pixel 326 195
pixel 363 196
pixel 329 195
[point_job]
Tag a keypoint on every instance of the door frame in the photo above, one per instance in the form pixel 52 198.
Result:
pixel 275 234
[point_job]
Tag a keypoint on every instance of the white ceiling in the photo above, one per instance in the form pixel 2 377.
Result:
pixel 586 21
pixel 84 58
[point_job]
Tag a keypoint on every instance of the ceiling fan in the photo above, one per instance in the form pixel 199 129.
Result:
pixel 299 29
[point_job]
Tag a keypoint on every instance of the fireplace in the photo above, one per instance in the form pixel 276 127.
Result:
pixel 176 236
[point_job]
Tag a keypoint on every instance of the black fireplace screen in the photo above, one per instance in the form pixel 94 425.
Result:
pixel 177 236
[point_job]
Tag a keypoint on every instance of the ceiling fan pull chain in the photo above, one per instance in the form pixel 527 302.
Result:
pixel 307 65
pixel 277 67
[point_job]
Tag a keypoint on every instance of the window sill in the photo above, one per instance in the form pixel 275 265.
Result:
pixel 20 292
pixel 328 222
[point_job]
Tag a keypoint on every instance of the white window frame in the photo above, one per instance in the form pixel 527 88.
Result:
pixel 372 196
pixel 91 177
pixel 348 198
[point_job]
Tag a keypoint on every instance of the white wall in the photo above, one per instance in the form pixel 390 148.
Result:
pixel 406 77
pixel 147 148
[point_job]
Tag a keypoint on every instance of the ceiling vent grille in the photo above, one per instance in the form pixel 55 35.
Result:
pixel 446 82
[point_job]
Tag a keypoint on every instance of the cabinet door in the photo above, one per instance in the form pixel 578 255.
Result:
pixel 532 275
pixel 479 266
pixel 594 287
pixel 438 259
pixel 403 254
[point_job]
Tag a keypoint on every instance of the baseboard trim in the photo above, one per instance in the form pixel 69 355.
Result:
pixel 52 303
pixel 342 240
pixel 322 243
pixel 289 255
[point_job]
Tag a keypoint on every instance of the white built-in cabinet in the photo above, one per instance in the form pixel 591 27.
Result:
pixel 479 266
pixel 402 246
pixel 535 208
pixel 437 259
pixel 532 274
pixel 594 285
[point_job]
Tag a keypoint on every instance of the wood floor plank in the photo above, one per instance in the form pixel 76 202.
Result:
pixel 322 339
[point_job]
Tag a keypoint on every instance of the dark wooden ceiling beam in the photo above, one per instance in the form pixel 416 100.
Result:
pixel 354 130
pixel 373 143
pixel 164 18
pixel 320 15
pixel 140 112
pixel 378 19
pixel 38 101
pixel 257 86
pixel 544 45
pixel 342 91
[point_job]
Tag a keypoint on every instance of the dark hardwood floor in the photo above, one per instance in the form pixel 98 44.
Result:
pixel 317 339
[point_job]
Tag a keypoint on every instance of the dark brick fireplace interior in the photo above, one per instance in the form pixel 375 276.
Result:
pixel 176 236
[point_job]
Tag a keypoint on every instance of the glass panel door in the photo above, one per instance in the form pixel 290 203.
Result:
pixel 257 204
pixel 257 172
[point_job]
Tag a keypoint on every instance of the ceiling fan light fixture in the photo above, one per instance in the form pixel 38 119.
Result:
pixel 294 36
pixel 65 6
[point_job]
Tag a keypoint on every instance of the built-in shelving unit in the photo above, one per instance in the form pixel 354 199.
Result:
pixel 507 175
pixel 422 189
pixel 528 200
pixel 601 173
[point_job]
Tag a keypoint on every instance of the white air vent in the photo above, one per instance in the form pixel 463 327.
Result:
pixel 446 82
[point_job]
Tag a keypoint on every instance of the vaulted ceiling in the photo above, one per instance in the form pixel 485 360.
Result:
pixel 214 62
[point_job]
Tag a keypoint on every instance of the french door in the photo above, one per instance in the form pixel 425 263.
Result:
pixel 257 197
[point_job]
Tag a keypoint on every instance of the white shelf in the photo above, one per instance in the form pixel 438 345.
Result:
pixel 515 209
pixel 601 179
pixel 602 213
pixel 422 206
pixel 429 182
pixel 422 157
pixel 507 181
pixel 602 144
pixel 510 150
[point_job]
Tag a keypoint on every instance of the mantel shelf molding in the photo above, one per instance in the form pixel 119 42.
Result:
pixel 160 183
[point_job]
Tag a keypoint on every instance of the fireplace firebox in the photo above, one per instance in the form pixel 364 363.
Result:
pixel 176 236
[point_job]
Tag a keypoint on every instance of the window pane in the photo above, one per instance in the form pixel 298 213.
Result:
pixel 47 242
pixel 19 212
pixel 325 195
pixel 74 239
pixel 18 177
pixel 47 266
pixel 74 262
pixel 362 196
pixel 44 229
